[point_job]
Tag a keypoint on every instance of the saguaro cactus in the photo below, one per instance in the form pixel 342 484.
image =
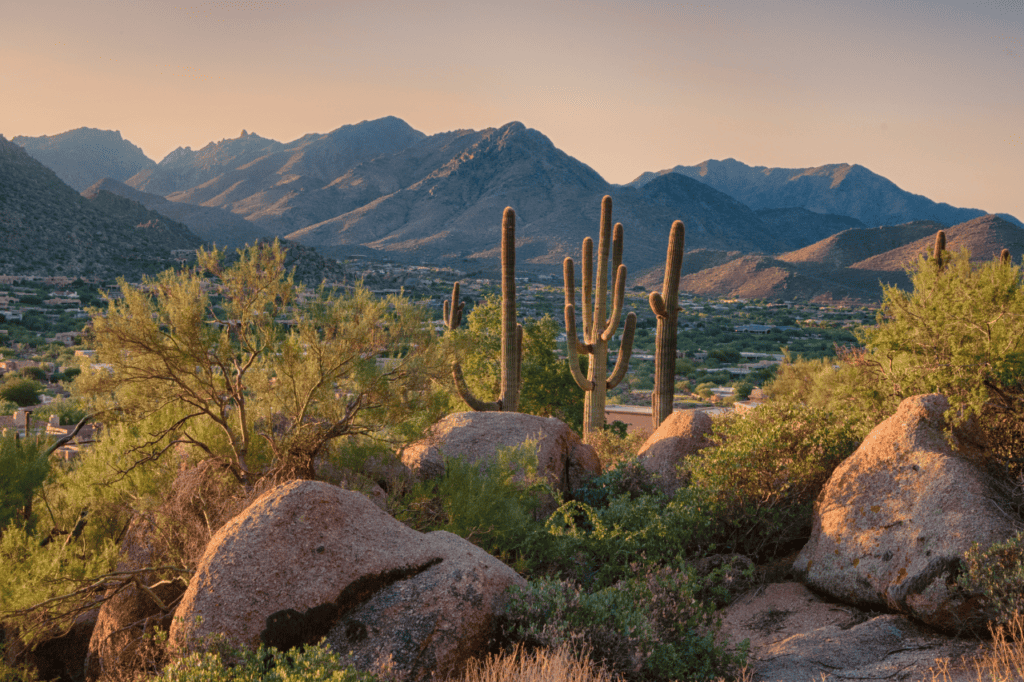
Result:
pixel 511 331
pixel 665 305
pixel 940 246
pixel 598 328
pixel 451 312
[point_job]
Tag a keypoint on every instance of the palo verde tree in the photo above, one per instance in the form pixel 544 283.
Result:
pixel 598 325
pixel 255 376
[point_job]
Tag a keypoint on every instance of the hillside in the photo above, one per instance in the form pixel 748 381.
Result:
pixel 842 189
pixel 49 228
pixel 84 156
pixel 850 265
pixel 213 225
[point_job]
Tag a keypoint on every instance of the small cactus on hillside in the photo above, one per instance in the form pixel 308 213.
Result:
pixel 511 331
pixel 598 327
pixel 1004 257
pixel 665 305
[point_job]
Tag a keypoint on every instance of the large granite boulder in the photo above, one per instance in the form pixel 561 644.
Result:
pixel 893 522
pixel 682 434
pixel 308 559
pixel 476 437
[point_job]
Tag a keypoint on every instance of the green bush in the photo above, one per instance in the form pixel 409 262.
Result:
pixel 649 626
pixel 313 664
pixel 996 573
pixel 492 504
pixel 24 465
pixel 760 478
pixel 21 392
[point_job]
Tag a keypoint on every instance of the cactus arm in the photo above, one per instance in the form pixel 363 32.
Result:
pixel 657 304
pixel 587 272
pixel 625 351
pixel 617 298
pixel 616 247
pixel 601 291
pixel 467 395
pixel 674 265
pixel 570 299
pixel 570 346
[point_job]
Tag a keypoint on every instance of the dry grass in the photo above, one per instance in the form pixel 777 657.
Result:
pixel 1001 661
pixel 544 665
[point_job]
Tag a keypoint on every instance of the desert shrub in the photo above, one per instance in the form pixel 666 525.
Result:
pixel 649 626
pixel 491 504
pixel 21 392
pixel 629 478
pixel 313 664
pixel 614 445
pixel 759 479
pixel 996 573
pixel 70 411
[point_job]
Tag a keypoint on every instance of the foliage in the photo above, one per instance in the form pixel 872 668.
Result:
pixel 519 664
pixel 70 411
pixel 316 663
pixel 547 388
pixel 763 472
pixel 996 573
pixel 614 445
pixel 24 466
pixel 21 392
pixel 960 332
pixel 276 378
pixel 649 626
pixel 492 504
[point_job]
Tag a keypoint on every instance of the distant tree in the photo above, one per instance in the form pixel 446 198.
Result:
pixel 21 392
pixel 261 379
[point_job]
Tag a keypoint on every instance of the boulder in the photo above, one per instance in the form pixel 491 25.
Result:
pixel 308 559
pixel 682 434
pixel 893 522
pixel 796 636
pixel 130 613
pixel 477 436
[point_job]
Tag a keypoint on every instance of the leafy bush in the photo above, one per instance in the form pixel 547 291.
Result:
pixel 649 626
pixel 760 478
pixel 313 664
pixel 492 504
pixel 996 573
pixel 21 392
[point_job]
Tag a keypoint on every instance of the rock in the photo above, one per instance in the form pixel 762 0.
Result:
pixel 893 522
pixel 795 636
pixel 682 434
pixel 129 614
pixel 477 436
pixel 308 556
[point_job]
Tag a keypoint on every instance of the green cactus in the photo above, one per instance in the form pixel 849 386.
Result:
pixel 452 311
pixel 665 305
pixel 597 329
pixel 511 331
pixel 940 246
pixel 1004 257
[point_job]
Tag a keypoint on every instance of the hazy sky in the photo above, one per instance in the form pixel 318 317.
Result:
pixel 929 94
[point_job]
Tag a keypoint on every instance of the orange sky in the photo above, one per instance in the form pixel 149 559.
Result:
pixel 928 94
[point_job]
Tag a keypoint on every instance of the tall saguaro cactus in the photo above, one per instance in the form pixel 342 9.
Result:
pixel 665 305
pixel 511 331
pixel 598 326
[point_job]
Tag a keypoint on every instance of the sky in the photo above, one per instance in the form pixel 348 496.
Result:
pixel 928 93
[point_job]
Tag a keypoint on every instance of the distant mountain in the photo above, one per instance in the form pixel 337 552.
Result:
pixel 84 156
pixel 213 225
pixel 842 189
pixel 49 228
pixel 850 265
pixel 250 174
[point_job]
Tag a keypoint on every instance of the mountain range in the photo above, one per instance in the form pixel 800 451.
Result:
pixel 383 189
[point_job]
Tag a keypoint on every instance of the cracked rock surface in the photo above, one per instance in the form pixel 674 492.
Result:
pixel 795 636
